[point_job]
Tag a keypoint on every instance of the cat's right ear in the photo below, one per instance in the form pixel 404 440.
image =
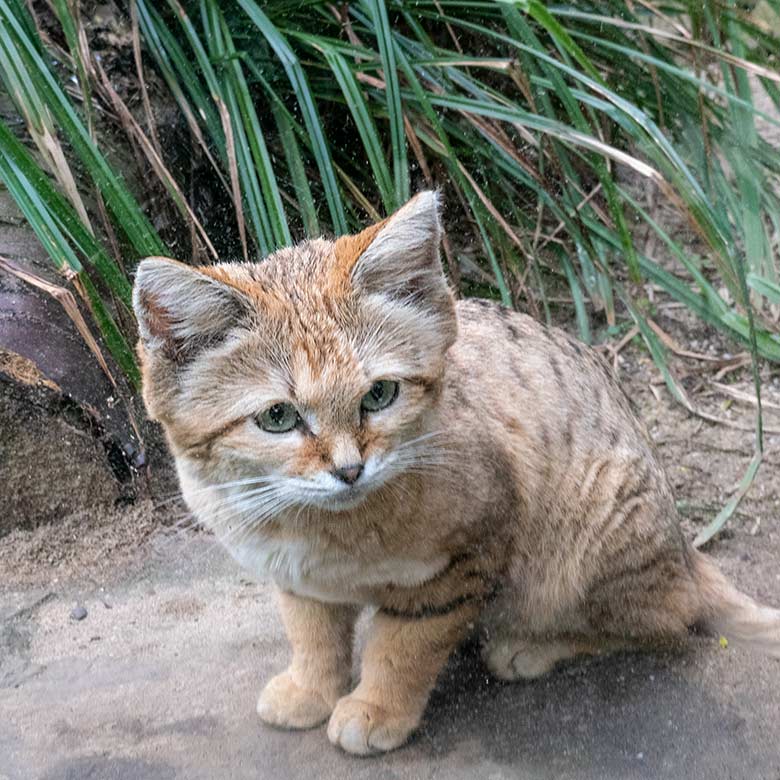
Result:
pixel 181 309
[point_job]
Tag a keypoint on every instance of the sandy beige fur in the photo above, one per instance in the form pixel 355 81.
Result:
pixel 508 489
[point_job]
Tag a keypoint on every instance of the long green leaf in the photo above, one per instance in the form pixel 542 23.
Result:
pixel 56 208
pixel 365 125
pixel 122 204
pixel 49 231
pixel 308 106
pixel 387 51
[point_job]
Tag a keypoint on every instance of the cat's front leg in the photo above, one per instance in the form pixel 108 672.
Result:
pixel 321 638
pixel 402 659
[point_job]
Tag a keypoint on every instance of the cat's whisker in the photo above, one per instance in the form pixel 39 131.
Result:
pixel 240 534
pixel 230 510
pixel 297 517
pixel 249 522
pixel 254 507
pixel 417 440
pixel 424 461
pixel 251 501
pixel 233 506
pixel 396 488
pixel 179 495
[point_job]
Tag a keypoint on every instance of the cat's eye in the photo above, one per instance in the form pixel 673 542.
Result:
pixel 279 418
pixel 382 393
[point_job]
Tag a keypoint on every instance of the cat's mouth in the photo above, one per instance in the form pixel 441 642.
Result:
pixel 329 494
pixel 348 498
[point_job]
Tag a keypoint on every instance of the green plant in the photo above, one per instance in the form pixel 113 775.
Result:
pixel 539 121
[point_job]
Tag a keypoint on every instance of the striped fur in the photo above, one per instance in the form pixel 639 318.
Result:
pixel 509 487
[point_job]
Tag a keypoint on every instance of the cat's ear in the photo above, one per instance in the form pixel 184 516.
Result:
pixel 181 309
pixel 398 257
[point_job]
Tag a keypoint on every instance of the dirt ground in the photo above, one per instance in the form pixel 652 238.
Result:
pixel 160 678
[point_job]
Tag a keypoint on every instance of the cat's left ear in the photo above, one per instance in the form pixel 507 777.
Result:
pixel 399 257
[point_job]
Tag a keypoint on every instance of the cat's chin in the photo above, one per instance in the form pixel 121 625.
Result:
pixel 343 501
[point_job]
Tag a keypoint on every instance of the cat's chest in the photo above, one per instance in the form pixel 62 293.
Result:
pixel 300 566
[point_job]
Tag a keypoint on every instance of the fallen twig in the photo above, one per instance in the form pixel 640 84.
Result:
pixel 741 395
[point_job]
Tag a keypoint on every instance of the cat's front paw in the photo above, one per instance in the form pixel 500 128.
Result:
pixel 284 704
pixel 363 728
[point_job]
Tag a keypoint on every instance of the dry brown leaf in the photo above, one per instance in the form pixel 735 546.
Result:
pixel 65 298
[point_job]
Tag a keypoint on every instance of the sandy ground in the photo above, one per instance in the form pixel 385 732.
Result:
pixel 160 679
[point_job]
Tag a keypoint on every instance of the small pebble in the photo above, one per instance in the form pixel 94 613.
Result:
pixel 78 613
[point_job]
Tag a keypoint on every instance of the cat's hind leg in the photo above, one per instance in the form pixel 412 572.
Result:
pixel 512 657
pixel 515 658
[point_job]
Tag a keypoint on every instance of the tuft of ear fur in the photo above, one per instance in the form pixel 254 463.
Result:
pixel 396 262
pixel 181 309
pixel 401 255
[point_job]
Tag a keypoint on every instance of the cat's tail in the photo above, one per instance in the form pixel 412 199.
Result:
pixel 727 612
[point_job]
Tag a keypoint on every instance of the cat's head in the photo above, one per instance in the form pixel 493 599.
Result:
pixel 313 374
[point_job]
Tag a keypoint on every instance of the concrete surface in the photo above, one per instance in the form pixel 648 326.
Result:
pixel 160 681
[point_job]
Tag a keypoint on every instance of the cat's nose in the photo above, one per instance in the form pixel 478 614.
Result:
pixel 349 474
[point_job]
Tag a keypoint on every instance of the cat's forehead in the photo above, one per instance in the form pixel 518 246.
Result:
pixel 306 303
pixel 291 275
pixel 328 379
pixel 327 339
pixel 307 327
pixel 305 267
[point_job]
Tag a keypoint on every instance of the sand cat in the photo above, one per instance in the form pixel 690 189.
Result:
pixel 349 430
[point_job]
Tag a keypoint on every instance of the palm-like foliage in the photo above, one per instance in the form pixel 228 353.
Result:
pixel 543 123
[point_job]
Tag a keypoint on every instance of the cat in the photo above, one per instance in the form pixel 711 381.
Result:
pixel 350 430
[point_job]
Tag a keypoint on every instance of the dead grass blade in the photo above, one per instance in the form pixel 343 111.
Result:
pixel 507 228
pixel 235 183
pixel 741 395
pixel 139 69
pixel 673 346
pixel 147 147
pixel 65 298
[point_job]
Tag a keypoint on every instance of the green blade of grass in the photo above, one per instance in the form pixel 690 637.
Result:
pixel 259 151
pixel 557 33
pixel 113 337
pixel 365 126
pixel 770 290
pixel 122 204
pixel 387 51
pixel 292 135
pixel 258 180
pixel 707 305
pixel 40 123
pixel 565 43
pixel 54 206
pixel 295 166
pixel 717 523
pixel 177 70
pixel 583 324
pixel 297 76
pixel 451 161
pixel 49 233
pixel 657 351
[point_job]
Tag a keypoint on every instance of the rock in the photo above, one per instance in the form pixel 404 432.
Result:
pixel 78 613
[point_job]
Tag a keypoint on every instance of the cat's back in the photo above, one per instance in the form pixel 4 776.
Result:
pixel 591 493
pixel 539 387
